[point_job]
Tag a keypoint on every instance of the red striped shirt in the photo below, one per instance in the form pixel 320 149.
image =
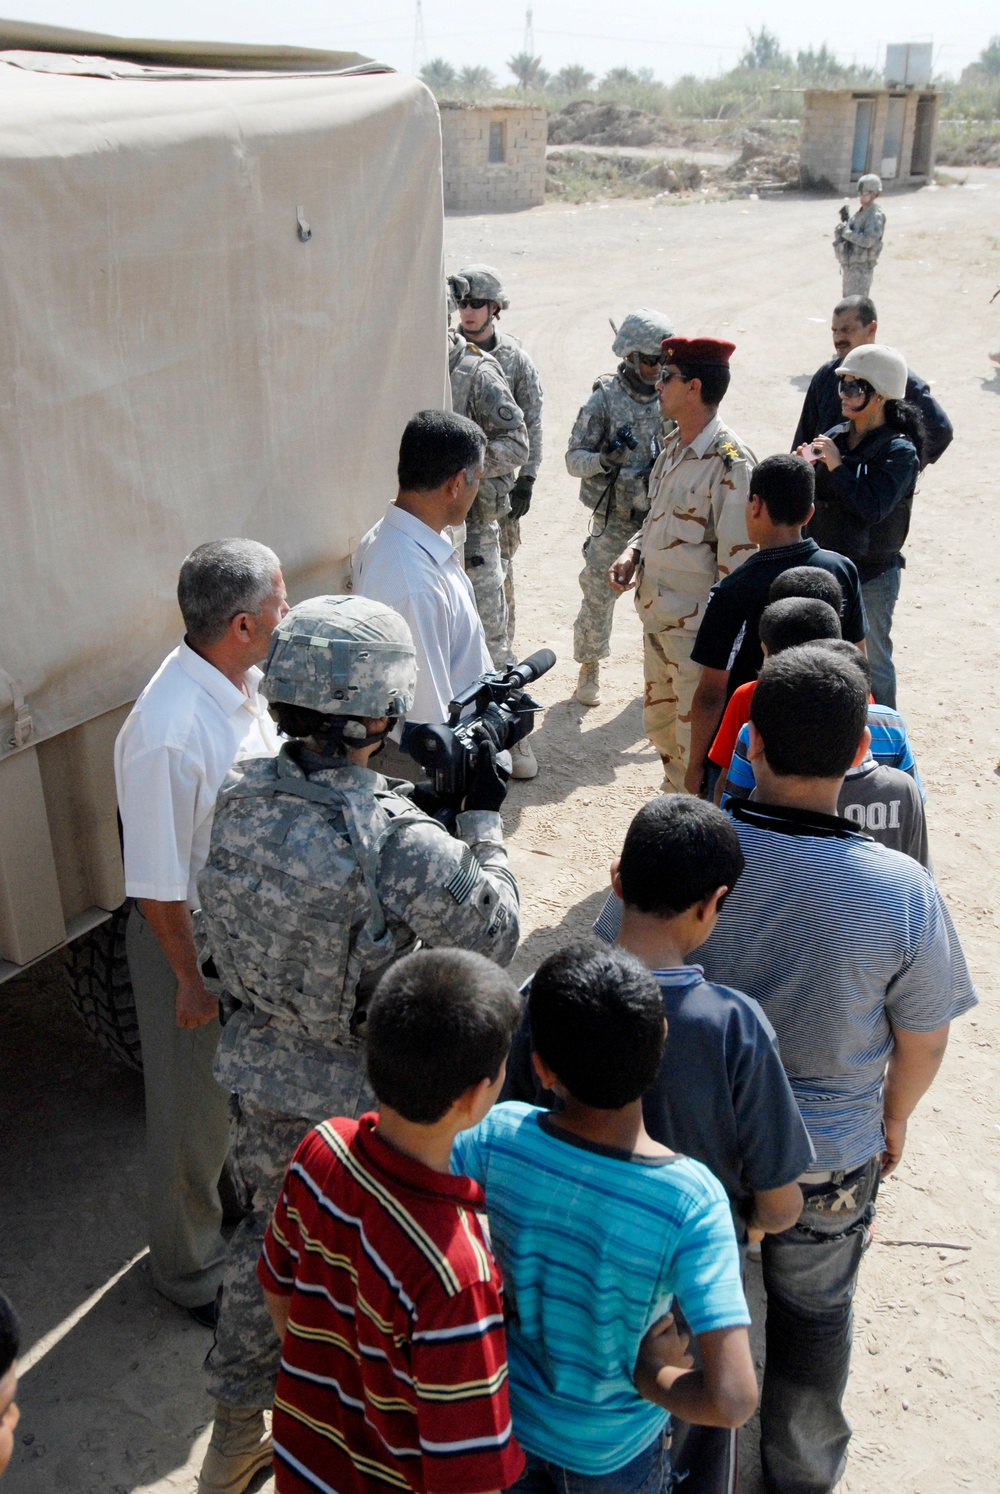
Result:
pixel 394 1367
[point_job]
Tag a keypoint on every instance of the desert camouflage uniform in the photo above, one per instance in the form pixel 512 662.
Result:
pixel 480 391
pixel 318 877
pixel 526 387
pixel 617 499
pixel 857 245
pixel 695 533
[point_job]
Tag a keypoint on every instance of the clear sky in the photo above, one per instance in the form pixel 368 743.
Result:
pixel 645 33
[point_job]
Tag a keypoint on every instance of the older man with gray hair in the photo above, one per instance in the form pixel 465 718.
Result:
pixel 198 714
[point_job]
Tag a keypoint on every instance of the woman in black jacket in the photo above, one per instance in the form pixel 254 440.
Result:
pixel 866 473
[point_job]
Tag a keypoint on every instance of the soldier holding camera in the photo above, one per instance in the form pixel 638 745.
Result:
pixel 319 875
pixel 612 447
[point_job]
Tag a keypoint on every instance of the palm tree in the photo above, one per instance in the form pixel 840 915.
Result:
pixel 620 77
pixel 572 79
pixel 476 80
pixel 437 74
pixel 528 71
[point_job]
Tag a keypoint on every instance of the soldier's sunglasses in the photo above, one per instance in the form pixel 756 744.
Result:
pixel 657 360
pixel 476 302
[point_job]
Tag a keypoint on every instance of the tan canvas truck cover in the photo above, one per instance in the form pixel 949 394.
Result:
pixel 221 297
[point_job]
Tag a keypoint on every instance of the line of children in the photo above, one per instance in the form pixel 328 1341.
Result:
pixel 10 1344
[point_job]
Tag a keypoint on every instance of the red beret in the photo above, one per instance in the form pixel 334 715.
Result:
pixel 697 350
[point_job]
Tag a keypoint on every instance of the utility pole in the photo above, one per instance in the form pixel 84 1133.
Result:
pixel 419 40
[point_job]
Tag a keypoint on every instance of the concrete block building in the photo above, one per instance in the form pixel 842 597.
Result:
pixel 494 156
pixel 848 132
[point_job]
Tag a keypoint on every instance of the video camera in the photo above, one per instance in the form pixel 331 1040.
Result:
pixel 622 437
pixel 449 753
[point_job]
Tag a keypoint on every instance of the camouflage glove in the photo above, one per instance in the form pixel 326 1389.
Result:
pixel 520 496
pixel 487 787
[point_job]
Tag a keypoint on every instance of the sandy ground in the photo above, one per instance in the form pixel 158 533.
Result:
pixel 116 1402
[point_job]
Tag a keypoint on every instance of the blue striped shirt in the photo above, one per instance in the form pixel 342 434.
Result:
pixel 840 939
pixel 593 1245
pixel 890 745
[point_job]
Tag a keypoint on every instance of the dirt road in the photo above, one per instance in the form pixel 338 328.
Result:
pixel 116 1403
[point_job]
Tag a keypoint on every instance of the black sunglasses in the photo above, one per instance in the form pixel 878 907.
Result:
pixel 854 388
pixel 657 359
pixel 476 302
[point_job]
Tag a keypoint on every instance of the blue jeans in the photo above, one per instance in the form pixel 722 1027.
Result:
pixel 648 1473
pixel 810 1272
pixel 880 597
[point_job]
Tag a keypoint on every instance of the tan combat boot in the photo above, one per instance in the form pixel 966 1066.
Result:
pixel 523 761
pixel 588 686
pixel 240 1447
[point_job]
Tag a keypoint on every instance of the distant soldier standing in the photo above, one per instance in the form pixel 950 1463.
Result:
pixel 480 311
pixel 612 448
pixel 857 240
pixel 318 877
pixel 695 532
pixel 479 390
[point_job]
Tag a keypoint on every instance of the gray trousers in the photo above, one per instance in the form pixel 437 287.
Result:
pixel 592 629
pixel 187 1129
pixel 510 543
pixel 856 280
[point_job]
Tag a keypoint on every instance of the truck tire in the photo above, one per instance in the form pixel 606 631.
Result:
pixel 101 990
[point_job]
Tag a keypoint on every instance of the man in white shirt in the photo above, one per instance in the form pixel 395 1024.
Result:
pixel 198 714
pixel 406 562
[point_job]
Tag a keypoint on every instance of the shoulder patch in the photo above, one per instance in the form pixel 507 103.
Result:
pixel 464 878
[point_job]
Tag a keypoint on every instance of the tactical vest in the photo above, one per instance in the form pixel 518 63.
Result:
pixel 289 901
pixel 835 527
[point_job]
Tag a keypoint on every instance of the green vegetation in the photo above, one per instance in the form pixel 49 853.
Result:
pixel 762 86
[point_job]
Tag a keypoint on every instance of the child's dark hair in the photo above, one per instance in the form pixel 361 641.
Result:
pixel 596 1017
pixel 808 581
pixel 677 851
pixel 786 485
pixel 810 707
pixel 796 620
pixel 845 650
pixel 10 1335
pixel 439 1022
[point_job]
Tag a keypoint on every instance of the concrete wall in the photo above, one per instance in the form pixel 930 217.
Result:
pixel 828 138
pixel 475 184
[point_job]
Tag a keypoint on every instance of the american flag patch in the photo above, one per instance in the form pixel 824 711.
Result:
pixel 464 880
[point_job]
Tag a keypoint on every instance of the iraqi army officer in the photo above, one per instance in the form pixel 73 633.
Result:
pixel 614 471
pixel 319 876
pixel 479 390
pixel 695 533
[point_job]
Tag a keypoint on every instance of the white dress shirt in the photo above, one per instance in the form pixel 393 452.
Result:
pixel 181 738
pixel 403 562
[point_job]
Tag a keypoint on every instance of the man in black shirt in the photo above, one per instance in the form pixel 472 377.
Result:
pixel 728 646
pixel 855 323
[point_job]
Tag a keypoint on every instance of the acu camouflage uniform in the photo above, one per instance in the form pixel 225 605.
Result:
pixel 857 245
pixel 526 387
pixel 480 391
pixel 617 500
pixel 695 533
pixel 318 877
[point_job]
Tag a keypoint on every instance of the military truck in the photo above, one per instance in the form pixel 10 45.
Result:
pixel 222 296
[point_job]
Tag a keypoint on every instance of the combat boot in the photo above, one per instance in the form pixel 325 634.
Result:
pixel 588 686
pixel 240 1447
pixel 523 760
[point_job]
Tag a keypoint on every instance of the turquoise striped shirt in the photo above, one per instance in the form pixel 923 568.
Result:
pixel 594 1244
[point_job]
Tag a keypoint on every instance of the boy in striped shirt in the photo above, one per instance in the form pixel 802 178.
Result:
pixel 598 1230
pixel 375 1270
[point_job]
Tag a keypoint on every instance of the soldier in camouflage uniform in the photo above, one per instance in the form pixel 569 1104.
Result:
pixel 318 877
pixel 695 532
pixel 480 307
pixel 857 241
pixel 480 391
pixel 614 478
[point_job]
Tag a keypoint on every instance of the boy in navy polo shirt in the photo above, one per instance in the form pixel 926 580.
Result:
pixel 727 647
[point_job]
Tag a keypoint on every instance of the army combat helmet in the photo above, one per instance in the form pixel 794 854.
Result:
pixel 642 331
pixel 481 281
pixel 342 656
